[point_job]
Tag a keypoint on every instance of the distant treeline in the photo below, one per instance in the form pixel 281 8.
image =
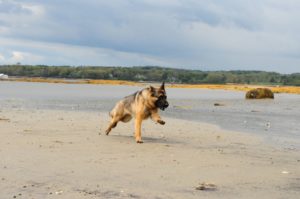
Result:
pixel 152 73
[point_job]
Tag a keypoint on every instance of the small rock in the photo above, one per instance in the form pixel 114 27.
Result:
pixel 206 187
pixel 219 104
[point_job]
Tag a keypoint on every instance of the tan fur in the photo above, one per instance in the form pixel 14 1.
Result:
pixel 141 106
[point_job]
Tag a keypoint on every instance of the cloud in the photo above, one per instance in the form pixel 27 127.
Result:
pixel 17 56
pixel 2 58
pixel 198 34
pixel 21 57
pixel 11 7
pixel 65 54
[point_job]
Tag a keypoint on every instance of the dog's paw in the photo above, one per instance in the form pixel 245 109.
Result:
pixel 161 122
pixel 139 142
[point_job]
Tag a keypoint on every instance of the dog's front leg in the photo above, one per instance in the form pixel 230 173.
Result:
pixel 138 126
pixel 156 117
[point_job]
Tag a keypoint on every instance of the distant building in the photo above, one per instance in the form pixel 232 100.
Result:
pixel 3 76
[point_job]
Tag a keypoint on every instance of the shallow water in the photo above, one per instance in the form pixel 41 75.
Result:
pixel 278 120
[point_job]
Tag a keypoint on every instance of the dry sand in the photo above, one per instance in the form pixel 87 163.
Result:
pixel 60 154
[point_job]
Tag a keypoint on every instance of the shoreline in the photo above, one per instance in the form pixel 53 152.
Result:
pixel 273 120
pixel 233 87
pixel 76 162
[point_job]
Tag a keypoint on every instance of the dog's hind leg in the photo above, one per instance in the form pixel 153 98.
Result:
pixel 126 118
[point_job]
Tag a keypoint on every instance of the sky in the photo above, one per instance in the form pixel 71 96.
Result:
pixel 191 34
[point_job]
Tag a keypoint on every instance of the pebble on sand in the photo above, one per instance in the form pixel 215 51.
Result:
pixel 206 187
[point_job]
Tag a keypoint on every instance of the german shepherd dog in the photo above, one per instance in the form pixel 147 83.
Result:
pixel 140 105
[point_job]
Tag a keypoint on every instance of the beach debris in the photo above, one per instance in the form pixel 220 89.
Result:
pixel 59 192
pixel 219 104
pixel 284 172
pixel 206 187
pixel 268 126
pixel 18 195
pixel 259 93
pixel 4 119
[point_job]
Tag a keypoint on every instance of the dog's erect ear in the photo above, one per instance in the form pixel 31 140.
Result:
pixel 162 87
pixel 152 89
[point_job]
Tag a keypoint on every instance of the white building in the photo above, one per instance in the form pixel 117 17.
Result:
pixel 3 76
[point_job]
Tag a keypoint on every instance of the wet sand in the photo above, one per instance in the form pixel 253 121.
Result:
pixel 65 154
pixel 277 121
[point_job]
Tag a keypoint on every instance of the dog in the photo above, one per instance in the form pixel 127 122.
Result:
pixel 141 105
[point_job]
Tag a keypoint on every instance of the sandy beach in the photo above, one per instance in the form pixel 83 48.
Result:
pixel 220 78
pixel 65 154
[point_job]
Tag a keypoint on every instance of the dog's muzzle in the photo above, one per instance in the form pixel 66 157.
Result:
pixel 162 103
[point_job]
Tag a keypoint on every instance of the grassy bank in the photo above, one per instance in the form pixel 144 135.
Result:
pixel 237 87
pixel 241 87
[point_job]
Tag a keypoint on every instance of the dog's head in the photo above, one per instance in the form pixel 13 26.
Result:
pixel 159 96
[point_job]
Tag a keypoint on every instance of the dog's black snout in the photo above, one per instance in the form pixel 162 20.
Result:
pixel 166 104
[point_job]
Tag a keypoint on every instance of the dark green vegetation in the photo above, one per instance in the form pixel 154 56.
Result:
pixel 259 93
pixel 150 73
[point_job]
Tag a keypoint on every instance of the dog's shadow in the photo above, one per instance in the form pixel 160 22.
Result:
pixel 152 140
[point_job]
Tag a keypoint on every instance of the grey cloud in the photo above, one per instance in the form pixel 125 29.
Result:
pixel 213 33
pixel 11 7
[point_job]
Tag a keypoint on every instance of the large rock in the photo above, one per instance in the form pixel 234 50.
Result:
pixel 259 93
